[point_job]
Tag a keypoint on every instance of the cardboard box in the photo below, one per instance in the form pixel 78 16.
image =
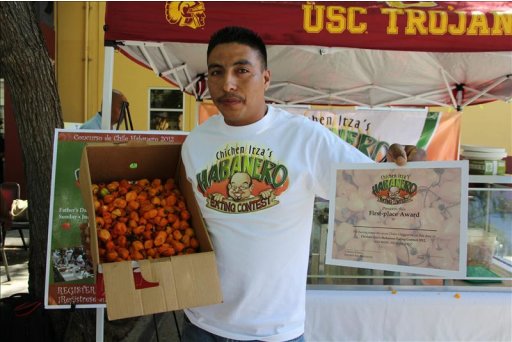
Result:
pixel 183 281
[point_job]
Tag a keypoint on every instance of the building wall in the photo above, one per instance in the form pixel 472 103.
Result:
pixel 488 125
pixel 70 59
pixel 80 83
pixel 135 81
pixel 80 61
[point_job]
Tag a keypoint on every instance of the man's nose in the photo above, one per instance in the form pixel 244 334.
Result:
pixel 230 83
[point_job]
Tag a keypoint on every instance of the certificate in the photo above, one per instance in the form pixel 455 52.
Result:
pixel 409 219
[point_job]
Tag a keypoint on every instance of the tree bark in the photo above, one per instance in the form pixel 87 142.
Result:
pixel 29 74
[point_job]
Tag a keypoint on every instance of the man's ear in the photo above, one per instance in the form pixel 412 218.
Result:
pixel 266 78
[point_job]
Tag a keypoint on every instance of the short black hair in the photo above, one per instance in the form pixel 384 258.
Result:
pixel 240 35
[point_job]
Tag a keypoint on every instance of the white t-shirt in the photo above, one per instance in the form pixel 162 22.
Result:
pixel 256 186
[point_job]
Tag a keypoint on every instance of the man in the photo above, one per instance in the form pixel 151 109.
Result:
pixel 117 102
pixel 262 248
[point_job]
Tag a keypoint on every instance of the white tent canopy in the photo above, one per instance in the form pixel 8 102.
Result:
pixel 348 76
pixel 371 54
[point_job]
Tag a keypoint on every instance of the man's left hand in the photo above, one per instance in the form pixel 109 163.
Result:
pixel 401 154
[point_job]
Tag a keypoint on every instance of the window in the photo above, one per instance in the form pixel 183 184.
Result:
pixel 166 109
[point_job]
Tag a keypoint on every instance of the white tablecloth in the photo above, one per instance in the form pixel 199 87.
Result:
pixel 339 315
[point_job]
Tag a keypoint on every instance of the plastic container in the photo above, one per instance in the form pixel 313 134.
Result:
pixel 486 167
pixel 481 245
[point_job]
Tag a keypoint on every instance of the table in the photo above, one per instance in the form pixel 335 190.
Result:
pixel 366 315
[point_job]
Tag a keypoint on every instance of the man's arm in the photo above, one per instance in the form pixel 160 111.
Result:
pixel 401 154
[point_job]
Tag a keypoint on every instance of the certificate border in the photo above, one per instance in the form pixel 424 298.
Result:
pixel 463 165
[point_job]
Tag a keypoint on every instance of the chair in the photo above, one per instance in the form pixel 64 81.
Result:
pixel 8 192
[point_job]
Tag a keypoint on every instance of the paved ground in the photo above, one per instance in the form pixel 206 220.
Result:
pixel 17 259
pixel 160 327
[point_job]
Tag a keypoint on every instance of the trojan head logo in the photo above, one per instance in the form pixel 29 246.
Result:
pixel 394 190
pixel 186 13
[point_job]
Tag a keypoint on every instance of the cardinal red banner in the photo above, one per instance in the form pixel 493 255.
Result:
pixel 452 26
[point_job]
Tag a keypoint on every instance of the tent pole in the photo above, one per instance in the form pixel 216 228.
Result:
pixel 195 122
pixel 108 72
pixel 488 88
pixel 100 324
pixel 449 88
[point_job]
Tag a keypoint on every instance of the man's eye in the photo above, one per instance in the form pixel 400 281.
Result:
pixel 214 72
pixel 243 71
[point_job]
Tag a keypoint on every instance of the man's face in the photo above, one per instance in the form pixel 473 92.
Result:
pixel 237 83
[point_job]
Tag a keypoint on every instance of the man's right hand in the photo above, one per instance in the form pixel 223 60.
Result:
pixel 401 154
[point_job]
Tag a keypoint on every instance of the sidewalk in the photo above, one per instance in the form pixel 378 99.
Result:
pixel 159 327
pixel 17 258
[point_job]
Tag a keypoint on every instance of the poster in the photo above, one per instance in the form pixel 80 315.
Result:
pixel 70 276
pixel 370 130
pixel 409 219
pixel 373 130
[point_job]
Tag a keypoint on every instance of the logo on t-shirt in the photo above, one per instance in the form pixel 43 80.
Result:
pixel 242 179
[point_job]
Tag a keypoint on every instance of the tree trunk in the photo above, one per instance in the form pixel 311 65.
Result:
pixel 29 74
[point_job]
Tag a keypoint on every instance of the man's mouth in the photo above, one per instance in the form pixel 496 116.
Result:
pixel 230 99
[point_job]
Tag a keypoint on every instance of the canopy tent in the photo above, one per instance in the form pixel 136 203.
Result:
pixel 372 54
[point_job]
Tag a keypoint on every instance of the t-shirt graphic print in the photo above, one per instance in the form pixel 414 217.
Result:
pixel 243 179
